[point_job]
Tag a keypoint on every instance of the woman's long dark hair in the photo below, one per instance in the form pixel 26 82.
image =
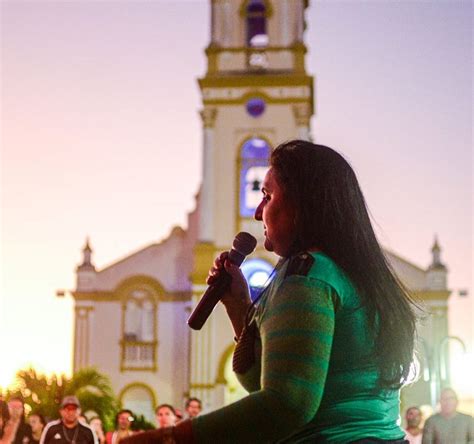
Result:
pixel 332 216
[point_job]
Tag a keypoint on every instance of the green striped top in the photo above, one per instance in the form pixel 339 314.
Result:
pixel 315 377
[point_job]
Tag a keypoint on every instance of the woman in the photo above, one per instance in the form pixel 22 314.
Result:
pixel 9 421
pixel 98 428
pixel 165 416
pixel 328 344
pixel 37 423
pixel 123 427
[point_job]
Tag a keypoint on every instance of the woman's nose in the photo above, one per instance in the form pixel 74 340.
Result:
pixel 258 211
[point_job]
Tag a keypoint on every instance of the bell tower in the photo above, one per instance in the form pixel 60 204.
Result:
pixel 255 94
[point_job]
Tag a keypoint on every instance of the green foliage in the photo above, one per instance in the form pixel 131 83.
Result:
pixel 140 423
pixel 43 394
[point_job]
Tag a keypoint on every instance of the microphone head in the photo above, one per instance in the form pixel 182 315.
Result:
pixel 244 243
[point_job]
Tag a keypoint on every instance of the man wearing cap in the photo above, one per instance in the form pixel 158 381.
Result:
pixel 68 429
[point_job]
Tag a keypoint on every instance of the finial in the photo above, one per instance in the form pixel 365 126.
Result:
pixel 436 255
pixel 86 257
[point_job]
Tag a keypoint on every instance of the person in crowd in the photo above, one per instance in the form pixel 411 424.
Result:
pixel 179 415
pixel 68 429
pixel 449 426
pixel 10 419
pixel 165 416
pixel 193 407
pixel 83 419
pixel 123 427
pixel 325 348
pixel 23 433
pixel 97 427
pixel 413 417
pixel 37 424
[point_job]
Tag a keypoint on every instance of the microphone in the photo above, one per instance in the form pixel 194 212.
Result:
pixel 244 243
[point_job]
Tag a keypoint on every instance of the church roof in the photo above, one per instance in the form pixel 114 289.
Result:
pixel 411 275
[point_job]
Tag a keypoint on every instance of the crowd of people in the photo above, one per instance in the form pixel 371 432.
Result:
pixel 448 426
pixel 73 427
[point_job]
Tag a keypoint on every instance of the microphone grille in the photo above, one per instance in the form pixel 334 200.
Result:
pixel 244 243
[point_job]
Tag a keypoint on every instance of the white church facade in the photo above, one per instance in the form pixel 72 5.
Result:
pixel 130 317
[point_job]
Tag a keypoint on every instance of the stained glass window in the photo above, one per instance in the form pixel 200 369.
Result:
pixel 257 272
pixel 256 24
pixel 254 165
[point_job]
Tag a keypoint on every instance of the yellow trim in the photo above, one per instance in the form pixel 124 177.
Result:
pixel 202 386
pixel 110 296
pixel 204 255
pixel 244 4
pixel 208 116
pixel 86 309
pixel 213 51
pixel 259 81
pixel 238 163
pixel 222 362
pixel 431 295
pixel 300 51
pixel 214 48
pixel 140 385
pixel 140 282
pixel 270 100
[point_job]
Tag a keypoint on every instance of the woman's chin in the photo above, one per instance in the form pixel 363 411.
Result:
pixel 267 244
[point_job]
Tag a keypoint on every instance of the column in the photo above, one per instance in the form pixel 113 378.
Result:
pixel 81 337
pixel 302 113
pixel 206 206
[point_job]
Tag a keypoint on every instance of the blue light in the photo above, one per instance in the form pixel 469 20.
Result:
pixel 257 273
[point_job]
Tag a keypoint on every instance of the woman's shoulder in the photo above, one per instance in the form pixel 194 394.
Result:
pixel 315 265
pixel 319 268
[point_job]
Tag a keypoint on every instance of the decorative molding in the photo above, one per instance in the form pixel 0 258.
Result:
pixel 220 379
pixel 244 4
pixel 302 113
pixel 196 386
pixel 138 385
pixel 431 295
pixel 111 296
pixel 204 255
pixel 272 100
pixel 256 81
pixel 208 116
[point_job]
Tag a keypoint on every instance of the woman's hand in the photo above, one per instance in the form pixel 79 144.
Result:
pixel 237 299
pixel 15 413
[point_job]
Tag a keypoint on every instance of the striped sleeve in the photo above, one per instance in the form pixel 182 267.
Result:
pixel 296 330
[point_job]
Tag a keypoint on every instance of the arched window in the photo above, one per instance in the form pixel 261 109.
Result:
pixel 139 327
pixel 256 24
pixel 140 399
pixel 255 153
pixel 257 272
pixel 139 318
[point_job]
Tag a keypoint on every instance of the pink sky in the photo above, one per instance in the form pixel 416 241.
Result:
pixel 101 137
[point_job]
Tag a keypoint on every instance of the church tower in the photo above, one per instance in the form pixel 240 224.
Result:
pixel 256 94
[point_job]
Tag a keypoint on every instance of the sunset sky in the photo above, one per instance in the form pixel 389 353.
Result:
pixel 101 137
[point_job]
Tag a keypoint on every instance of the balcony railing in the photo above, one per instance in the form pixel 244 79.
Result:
pixel 138 355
